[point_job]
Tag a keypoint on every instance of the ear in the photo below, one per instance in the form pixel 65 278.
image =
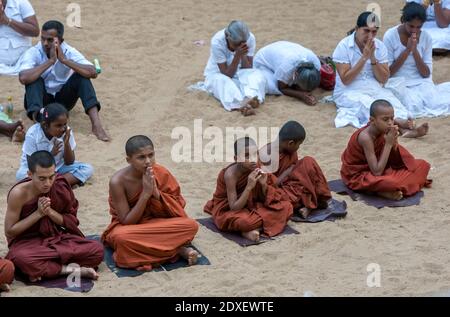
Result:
pixel 128 159
pixel 29 173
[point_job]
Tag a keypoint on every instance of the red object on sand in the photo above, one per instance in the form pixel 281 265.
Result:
pixel 327 77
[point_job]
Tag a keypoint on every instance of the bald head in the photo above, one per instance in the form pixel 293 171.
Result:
pixel 379 104
pixel 292 131
pixel 135 143
pixel 243 143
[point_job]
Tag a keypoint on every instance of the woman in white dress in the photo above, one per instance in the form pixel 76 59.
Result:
pixel 290 69
pixel 230 75
pixel 18 24
pixel 362 70
pixel 410 51
pixel 438 23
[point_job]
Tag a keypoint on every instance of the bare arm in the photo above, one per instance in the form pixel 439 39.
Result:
pixel 87 71
pixel 347 73
pixel 240 55
pixel 304 96
pixel 56 217
pixel 29 76
pixel 29 26
pixel 246 62
pixel 381 72
pixel 14 227
pixel 376 166
pixel 398 63
pixel 442 15
pixel 234 202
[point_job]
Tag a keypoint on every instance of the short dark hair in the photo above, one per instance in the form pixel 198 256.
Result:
pixel 292 131
pixel 54 25
pixel 51 112
pixel 43 159
pixel 377 104
pixel 136 143
pixel 412 11
pixel 243 143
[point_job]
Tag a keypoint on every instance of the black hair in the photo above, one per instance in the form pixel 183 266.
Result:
pixel 412 11
pixel 377 104
pixel 50 113
pixel 292 131
pixel 54 25
pixel 43 159
pixel 364 19
pixel 242 144
pixel 136 143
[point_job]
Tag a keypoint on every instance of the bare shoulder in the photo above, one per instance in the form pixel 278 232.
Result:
pixel 230 175
pixel 118 179
pixel 19 194
pixel 364 138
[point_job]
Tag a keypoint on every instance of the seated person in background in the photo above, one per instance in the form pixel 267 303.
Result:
pixel 53 71
pixel 230 75
pixel 290 69
pixel 18 24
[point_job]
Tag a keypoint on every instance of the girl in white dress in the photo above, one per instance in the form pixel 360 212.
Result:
pixel 411 66
pixel 230 75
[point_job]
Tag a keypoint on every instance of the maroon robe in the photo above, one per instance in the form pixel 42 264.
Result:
pixel 45 247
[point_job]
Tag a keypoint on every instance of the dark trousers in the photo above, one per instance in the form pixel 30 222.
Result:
pixel 36 97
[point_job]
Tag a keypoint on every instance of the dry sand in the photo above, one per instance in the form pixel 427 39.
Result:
pixel 148 58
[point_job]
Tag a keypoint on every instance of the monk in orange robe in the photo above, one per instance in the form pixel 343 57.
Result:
pixel 41 226
pixel 6 274
pixel 149 226
pixel 247 200
pixel 374 161
pixel 302 181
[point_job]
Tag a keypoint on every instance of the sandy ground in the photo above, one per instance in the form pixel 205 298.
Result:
pixel 149 59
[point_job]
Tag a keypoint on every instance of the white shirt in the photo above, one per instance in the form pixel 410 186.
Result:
pixel 221 54
pixel 58 74
pixel 35 140
pixel 430 10
pixel 17 10
pixel 283 58
pixel 396 48
pixel 348 52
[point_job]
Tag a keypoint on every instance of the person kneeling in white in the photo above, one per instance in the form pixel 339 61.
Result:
pixel 230 75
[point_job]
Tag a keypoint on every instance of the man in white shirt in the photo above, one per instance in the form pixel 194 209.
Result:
pixel 53 71
pixel 229 74
pixel 18 24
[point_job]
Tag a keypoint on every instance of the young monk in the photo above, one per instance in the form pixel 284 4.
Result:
pixel 41 225
pixel 375 162
pixel 6 275
pixel 149 225
pixel 302 181
pixel 246 199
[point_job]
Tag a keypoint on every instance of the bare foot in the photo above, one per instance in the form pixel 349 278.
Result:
pixel 398 195
pixel 144 268
pixel 247 110
pixel 10 128
pixel 252 235
pixel 305 212
pixel 100 133
pixel 189 254
pixel 254 102
pixel 5 288
pixel 34 280
pixel 89 272
pixel 308 98
pixel 18 135
pixel 417 132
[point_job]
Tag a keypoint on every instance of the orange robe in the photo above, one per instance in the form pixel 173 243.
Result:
pixel 403 172
pixel 162 230
pixel 306 185
pixel 270 213
pixel 6 272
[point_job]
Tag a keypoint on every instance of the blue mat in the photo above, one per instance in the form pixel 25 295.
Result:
pixel 236 237
pixel 336 210
pixel 339 187
pixel 121 272
pixel 85 286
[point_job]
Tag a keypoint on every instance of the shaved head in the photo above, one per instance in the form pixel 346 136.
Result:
pixel 379 104
pixel 135 143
